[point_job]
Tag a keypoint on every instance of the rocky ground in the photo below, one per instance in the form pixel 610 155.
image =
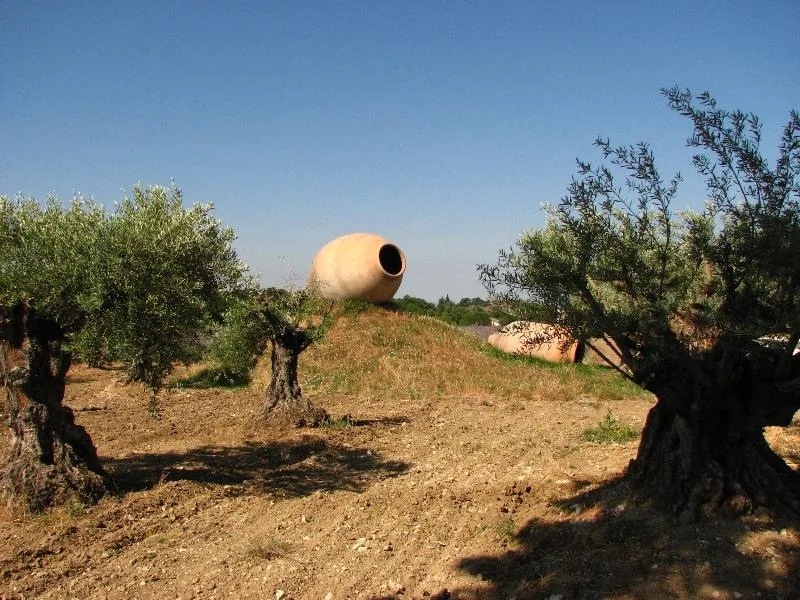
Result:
pixel 463 496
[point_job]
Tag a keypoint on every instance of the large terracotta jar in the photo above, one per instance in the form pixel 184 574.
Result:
pixel 358 265
pixel 526 337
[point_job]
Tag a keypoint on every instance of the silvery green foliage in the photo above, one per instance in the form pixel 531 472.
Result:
pixel 144 284
pixel 46 252
pixel 237 344
pixel 273 315
pixel 172 267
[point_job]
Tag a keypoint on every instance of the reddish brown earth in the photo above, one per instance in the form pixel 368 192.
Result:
pixel 462 496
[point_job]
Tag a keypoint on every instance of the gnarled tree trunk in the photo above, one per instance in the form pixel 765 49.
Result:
pixel 51 459
pixel 285 401
pixel 703 450
pixel 696 468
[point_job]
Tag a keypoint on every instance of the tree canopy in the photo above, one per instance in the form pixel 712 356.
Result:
pixel 700 307
pixel 173 268
pixel 143 285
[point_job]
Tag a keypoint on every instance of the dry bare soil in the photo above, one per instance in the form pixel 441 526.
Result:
pixel 458 474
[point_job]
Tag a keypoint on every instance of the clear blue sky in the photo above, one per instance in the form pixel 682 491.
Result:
pixel 442 126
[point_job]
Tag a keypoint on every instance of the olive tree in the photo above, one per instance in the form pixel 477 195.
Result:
pixel 287 321
pixel 700 309
pixel 142 285
pixel 167 272
pixel 45 255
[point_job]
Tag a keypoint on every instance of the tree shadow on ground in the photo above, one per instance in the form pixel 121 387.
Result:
pixel 613 549
pixel 345 421
pixel 289 468
pixel 387 421
pixel 85 374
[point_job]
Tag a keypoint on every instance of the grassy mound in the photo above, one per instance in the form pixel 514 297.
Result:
pixel 378 352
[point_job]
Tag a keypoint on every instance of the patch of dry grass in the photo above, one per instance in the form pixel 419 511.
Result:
pixel 267 548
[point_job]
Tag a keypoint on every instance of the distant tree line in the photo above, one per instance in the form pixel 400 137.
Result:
pixel 467 311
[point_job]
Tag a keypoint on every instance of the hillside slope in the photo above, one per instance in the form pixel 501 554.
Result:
pixel 448 472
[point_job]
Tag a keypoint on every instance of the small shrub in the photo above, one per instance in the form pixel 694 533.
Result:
pixel 610 431
pixel 76 508
pixel 212 378
pixel 506 531
pixel 235 347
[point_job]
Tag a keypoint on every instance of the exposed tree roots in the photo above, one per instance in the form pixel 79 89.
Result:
pixel 302 414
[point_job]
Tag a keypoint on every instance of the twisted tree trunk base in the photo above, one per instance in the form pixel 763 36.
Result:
pixel 52 460
pixel 285 402
pixel 695 469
